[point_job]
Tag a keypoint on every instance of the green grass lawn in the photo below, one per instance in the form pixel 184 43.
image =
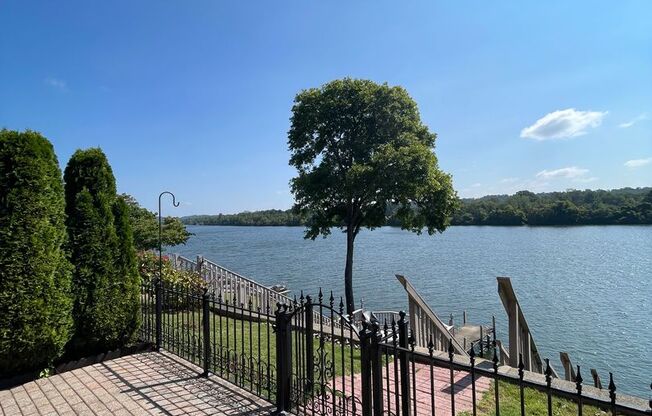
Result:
pixel 253 346
pixel 536 403
pixel 254 339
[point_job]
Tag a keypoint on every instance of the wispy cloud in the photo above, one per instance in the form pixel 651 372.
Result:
pixel 56 83
pixel 509 180
pixel 571 172
pixel 563 124
pixel 633 121
pixel 637 163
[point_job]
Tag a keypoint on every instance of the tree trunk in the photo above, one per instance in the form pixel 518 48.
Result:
pixel 348 271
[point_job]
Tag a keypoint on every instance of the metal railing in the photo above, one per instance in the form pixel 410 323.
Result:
pixel 313 368
pixel 233 285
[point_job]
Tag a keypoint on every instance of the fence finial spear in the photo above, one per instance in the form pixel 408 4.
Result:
pixel 578 380
pixel 548 372
pixel 495 359
pixel 612 388
pixel 451 350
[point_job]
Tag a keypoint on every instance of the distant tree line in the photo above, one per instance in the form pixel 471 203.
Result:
pixel 267 217
pixel 618 206
pixel 588 207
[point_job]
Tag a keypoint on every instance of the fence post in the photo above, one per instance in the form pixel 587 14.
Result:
pixel 365 362
pixel 159 312
pixel 376 369
pixel 283 358
pixel 310 355
pixel 404 364
pixel 206 331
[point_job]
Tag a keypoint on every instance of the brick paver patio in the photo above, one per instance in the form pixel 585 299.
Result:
pixel 142 384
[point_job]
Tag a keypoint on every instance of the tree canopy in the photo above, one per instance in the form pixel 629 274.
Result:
pixel 358 147
pixel 145 227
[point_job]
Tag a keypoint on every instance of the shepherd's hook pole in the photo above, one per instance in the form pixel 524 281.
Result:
pixel 159 281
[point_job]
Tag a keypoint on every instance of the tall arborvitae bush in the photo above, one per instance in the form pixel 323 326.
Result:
pixel 105 279
pixel 35 304
pixel 127 267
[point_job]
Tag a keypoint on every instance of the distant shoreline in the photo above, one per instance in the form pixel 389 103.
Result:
pixel 452 225
pixel 625 206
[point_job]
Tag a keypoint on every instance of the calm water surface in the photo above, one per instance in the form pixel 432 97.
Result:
pixel 584 290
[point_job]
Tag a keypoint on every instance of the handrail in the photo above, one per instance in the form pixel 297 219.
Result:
pixel 569 370
pixel 425 324
pixel 246 291
pixel 521 340
pixel 504 354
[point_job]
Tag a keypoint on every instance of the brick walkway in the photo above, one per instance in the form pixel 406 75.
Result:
pixel 141 384
pixel 423 392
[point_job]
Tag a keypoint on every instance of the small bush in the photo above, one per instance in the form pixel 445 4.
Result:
pixel 179 281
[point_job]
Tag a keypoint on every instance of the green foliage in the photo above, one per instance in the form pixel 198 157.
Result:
pixel 35 305
pixel 145 227
pixel 105 280
pixel 275 217
pixel 618 206
pixel 148 269
pixel 358 147
pixel 127 288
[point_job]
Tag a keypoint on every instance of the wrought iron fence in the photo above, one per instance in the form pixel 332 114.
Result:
pixel 330 367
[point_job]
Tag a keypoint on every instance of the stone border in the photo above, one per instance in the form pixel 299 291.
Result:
pixel 7 383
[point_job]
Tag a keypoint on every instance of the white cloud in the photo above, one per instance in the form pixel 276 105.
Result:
pixel 633 121
pixel 56 83
pixel 571 172
pixel 637 163
pixel 563 123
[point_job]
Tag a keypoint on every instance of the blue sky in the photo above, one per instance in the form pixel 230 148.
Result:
pixel 195 96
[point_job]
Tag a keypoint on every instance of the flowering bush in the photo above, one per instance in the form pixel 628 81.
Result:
pixel 181 282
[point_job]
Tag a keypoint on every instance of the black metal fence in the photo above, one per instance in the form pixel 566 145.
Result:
pixel 320 364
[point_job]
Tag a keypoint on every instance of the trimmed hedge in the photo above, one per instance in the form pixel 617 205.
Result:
pixel 35 304
pixel 105 280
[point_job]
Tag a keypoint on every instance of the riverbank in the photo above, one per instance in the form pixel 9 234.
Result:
pixel 614 207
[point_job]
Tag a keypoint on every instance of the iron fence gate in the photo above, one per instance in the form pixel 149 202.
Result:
pixel 319 358
pixel 309 358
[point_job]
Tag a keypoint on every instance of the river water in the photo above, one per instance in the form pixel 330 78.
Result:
pixel 584 290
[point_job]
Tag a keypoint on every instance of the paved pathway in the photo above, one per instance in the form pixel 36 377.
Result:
pixel 423 392
pixel 142 384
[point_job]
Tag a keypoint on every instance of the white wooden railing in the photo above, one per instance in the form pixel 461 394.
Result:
pixel 426 325
pixel 246 292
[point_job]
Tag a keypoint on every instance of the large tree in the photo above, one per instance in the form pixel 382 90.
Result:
pixel 360 147
pixel 105 279
pixel 35 305
pixel 145 227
